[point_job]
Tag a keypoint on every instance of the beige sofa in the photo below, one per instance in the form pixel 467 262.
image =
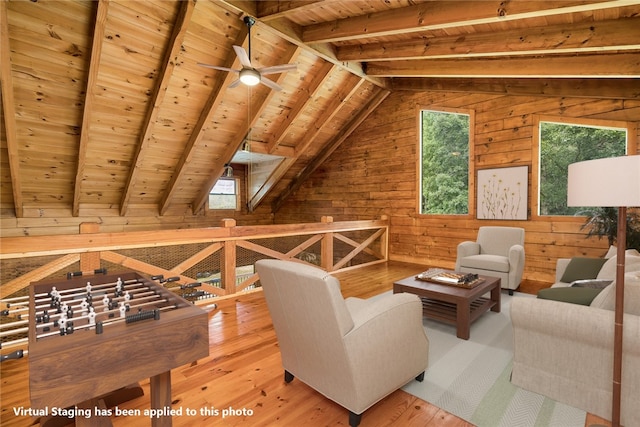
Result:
pixel 565 351
pixel 353 351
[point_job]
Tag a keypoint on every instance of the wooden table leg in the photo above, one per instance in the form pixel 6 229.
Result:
pixel 160 386
pixel 463 319
pixel 495 297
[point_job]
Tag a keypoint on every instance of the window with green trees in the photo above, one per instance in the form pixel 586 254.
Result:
pixel 444 171
pixel 562 144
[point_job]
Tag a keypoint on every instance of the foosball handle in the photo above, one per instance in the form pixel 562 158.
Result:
pixel 18 354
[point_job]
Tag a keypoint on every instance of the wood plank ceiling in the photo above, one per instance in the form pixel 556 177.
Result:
pixel 105 108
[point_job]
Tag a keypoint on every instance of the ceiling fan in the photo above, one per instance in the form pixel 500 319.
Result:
pixel 248 74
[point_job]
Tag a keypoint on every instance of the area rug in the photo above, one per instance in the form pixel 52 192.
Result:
pixel 470 378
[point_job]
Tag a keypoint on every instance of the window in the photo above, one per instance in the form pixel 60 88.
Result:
pixel 561 144
pixel 225 195
pixel 444 170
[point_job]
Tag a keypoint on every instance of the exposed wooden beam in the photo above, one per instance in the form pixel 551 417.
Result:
pixel 261 100
pixel 330 111
pixel 330 148
pixel 587 65
pixel 162 83
pixel 272 9
pixel 304 97
pixel 444 14
pixel 94 65
pixel 617 34
pixel 578 88
pixel 345 93
pixel 9 111
pixel 212 104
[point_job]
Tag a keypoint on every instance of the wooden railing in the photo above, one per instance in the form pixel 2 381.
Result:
pixel 227 253
pixel 331 245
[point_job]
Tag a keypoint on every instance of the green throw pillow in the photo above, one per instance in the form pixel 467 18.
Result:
pixel 582 296
pixel 582 268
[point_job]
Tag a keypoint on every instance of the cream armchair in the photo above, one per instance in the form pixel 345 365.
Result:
pixel 497 252
pixel 565 351
pixel 355 352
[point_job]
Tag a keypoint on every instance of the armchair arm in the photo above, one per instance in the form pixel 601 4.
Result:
pixel 516 261
pixel 466 249
pixel 561 266
pixel 388 346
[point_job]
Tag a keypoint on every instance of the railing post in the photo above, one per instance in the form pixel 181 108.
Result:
pixel 327 246
pixel 228 262
pixel 89 260
pixel 384 240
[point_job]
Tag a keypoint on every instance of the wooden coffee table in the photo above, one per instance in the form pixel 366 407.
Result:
pixel 452 304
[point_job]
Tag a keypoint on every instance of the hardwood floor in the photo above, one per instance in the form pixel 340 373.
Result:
pixel 243 379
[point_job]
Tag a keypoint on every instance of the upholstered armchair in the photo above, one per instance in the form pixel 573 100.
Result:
pixel 355 352
pixel 497 252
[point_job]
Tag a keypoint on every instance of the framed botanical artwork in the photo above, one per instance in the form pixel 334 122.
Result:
pixel 502 193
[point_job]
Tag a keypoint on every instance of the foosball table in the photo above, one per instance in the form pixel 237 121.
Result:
pixel 91 336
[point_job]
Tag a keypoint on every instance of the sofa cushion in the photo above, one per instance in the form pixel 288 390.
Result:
pixel 581 268
pixel 582 296
pixel 608 270
pixel 607 298
pixel 486 262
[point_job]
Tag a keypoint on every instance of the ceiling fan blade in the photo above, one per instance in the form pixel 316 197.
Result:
pixel 234 83
pixel 270 83
pixel 215 67
pixel 242 56
pixel 277 69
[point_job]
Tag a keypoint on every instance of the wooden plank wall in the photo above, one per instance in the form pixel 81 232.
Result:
pixel 374 173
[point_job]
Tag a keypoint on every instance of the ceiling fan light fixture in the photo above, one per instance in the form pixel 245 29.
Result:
pixel 249 77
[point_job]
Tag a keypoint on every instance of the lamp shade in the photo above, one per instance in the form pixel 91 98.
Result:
pixel 610 182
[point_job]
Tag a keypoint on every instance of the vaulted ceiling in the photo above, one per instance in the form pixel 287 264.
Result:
pixel 105 108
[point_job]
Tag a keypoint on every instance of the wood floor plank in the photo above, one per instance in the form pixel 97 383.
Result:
pixel 244 371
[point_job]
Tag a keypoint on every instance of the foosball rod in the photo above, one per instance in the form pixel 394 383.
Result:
pixel 16 323
pixel 14 342
pixel 48 301
pixel 103 323
pixel 77 301
pixel 137 303
pixel 18 354
pixel 70 274
pixel 13 332
pixel 23 300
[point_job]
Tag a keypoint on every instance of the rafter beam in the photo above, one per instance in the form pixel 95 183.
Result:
pixel 588 65
pixel 618 34
pixel 9 111
pixel 330 148
pixel 162 83
pixel 304 99
pixel 444 14
pixel 210 107
pixel 329 112
pixel 272 9
pixel 575 88
pixel 94 65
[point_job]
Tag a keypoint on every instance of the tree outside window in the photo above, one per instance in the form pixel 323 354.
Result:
pixel 444 180
pixel 562 144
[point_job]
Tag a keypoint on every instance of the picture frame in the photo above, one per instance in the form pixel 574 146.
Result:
pixel 502 193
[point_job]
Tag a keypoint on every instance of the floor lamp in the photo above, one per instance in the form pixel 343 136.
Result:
pixel 610 182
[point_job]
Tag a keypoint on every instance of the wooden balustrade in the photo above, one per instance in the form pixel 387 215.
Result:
pixel 334 246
